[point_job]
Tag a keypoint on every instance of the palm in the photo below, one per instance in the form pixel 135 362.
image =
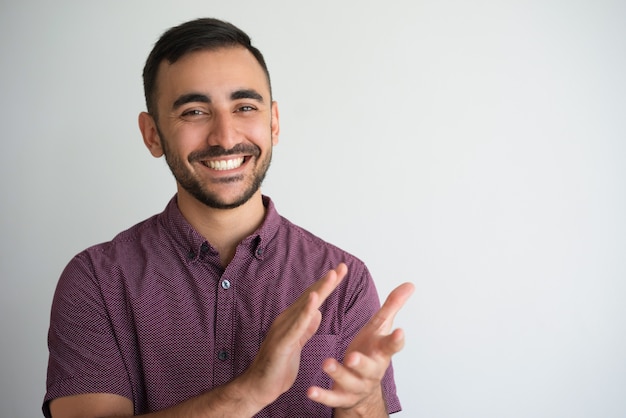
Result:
pixel 356 382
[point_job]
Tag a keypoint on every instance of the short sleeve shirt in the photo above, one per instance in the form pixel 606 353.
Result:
pixel 154 317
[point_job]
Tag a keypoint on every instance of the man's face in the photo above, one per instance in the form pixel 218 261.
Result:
pixel 216 125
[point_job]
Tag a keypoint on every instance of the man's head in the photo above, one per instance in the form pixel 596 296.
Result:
pixel 210 112
pixel 193 36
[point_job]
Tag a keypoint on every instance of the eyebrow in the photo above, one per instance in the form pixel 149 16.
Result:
pixel 191 98
pixel 246 94
pixel 203 98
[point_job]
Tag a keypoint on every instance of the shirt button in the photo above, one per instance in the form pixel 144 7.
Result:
pixel 259 251
pixel 223 355
pixel 225 284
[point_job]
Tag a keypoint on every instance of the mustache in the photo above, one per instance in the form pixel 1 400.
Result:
pixel 217 151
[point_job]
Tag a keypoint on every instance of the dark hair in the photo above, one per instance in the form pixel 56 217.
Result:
pixel 192 36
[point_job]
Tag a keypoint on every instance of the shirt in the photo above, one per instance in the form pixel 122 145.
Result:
pixel 153 316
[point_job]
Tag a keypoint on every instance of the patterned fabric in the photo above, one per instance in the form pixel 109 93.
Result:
pixel 152 316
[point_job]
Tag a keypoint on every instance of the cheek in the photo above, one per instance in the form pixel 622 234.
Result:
pixel 189 137
pixel 259 134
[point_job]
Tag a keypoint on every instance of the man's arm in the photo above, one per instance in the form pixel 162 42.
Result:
pixel 272 372
pixel 357 390
pixel 227 400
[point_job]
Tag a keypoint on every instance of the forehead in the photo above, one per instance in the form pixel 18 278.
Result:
pixel 212 72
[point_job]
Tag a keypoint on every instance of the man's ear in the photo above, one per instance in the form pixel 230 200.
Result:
pixel 275 124
pixel 150 134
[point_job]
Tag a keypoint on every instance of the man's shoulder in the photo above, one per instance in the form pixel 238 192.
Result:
pixel 290 230
pixel 301 238
pixel 126 242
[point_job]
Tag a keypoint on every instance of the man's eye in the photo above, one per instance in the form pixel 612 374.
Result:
pixel 193 112
pixel 246 108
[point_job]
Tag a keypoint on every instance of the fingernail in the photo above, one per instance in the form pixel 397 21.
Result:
pixel 354 361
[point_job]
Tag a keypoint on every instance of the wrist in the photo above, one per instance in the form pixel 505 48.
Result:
pixel 372 406
pixel 240 394
pixel 250 390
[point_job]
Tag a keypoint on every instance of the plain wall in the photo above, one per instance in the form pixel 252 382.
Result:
pixel 475 148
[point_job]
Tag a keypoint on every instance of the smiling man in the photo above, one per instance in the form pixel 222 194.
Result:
pixel 218 306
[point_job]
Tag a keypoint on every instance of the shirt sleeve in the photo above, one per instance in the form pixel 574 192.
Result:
pixel 84 354
pixel 363 303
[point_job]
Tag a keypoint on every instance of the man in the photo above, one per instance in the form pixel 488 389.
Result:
pixel 215 307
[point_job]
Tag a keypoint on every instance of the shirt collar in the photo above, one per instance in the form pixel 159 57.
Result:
pixel 194 244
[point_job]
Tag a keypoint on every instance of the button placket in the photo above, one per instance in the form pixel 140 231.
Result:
pixel 223 369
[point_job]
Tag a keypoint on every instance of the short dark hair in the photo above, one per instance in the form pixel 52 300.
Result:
pixel 192 36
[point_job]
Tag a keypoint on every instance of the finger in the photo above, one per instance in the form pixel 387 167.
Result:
pixel 382 320
pixel 363 366
pixel 310 323
pixel 392 343
pixel 305 312
pixel 341 375
pixel 329 282
pixel 349 386
pixel 297 323
pixel 331 398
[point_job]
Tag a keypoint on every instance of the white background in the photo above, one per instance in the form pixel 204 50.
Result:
pixel 475 148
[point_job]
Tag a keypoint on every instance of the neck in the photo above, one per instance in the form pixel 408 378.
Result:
pixel 223 228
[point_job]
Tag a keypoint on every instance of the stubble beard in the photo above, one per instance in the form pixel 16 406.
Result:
pixel 201 191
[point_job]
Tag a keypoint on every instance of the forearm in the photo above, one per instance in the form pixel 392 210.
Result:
pixel 229 400
pixel 232 399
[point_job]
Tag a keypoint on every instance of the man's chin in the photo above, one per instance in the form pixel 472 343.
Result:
pixel 224 203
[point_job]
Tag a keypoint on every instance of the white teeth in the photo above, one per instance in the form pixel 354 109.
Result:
pixel 225 164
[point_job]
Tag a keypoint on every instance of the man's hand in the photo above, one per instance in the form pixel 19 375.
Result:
pixel 274 369
pixel 275 366
pixel 357 388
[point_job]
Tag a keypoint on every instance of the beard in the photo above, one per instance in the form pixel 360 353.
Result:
pixel 202 190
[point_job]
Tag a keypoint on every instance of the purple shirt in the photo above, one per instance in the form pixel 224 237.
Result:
pixel 152 315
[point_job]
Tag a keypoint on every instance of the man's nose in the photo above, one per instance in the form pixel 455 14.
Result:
pixel 223 131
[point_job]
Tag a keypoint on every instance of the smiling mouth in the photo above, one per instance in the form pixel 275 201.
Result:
pixel 222 165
